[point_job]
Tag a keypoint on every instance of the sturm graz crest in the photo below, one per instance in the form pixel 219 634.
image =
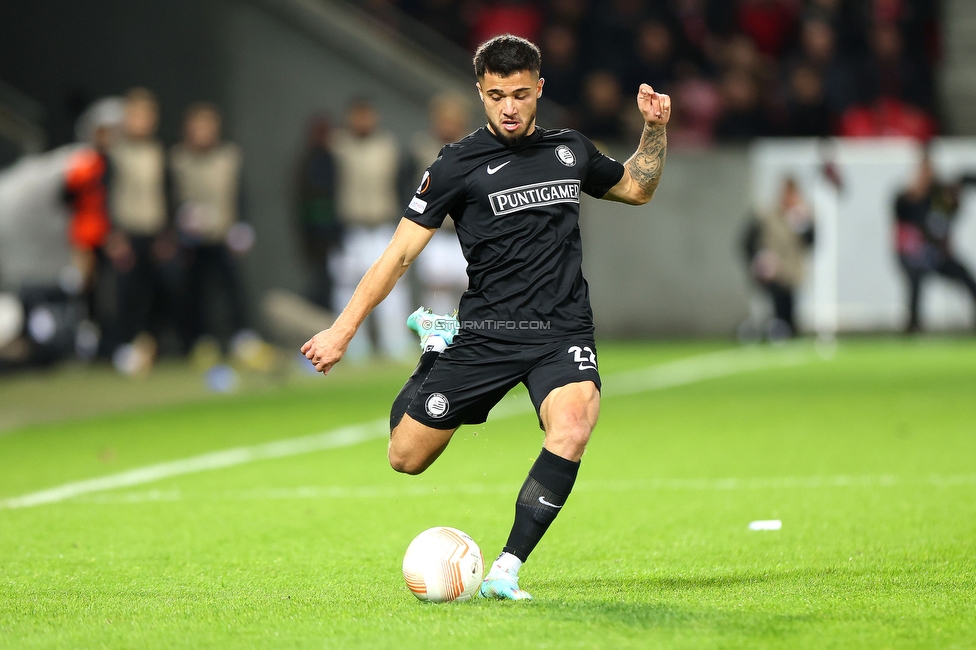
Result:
pixel 437 405
pixel 565 155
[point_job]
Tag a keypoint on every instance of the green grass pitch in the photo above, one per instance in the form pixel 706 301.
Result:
pixel 868 458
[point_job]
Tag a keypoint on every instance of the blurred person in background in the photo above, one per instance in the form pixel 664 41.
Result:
pixel 87 181
pixel 441 267
pixel 142 246
pixel 888 72
pixel 704 25
pixel 924 213
pixel 319 230
pixel 807 111
pixel 609 34
pixel 747 88
pixel 86 191
pixel 895 89
pixel 562 65
pixel 570 13
pixel 739 53
pixel 653 60
pixel 845 19
pixel 56 284
pixel 600 115
pixel 206 187
pixel 369 167
pixel 818 51
pixel 776 244
pixel 743 115
pixel 697 107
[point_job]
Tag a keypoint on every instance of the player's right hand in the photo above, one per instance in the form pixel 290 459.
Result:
pixel 325 349
pixel 654 107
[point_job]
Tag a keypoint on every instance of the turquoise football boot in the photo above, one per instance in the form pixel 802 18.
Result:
pixel 429 325
pixel 502 585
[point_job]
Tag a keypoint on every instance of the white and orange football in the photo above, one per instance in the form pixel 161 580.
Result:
pixel 443 564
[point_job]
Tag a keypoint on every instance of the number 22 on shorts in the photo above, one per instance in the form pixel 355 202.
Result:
pixel 584 356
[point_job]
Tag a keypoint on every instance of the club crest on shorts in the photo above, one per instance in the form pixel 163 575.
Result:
pixel 565 155
pixel 437 405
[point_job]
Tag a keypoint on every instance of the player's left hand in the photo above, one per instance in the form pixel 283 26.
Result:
pixel 655 107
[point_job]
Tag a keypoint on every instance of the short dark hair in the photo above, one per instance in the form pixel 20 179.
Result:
pixel 506 55
pixel 196 108
pixel 140 95
pixel 360 102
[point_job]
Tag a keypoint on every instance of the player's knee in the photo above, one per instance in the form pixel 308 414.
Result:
pixel 405 463
pixel 577 413
pixel 403 460
pixel 577 436
pixel 405 466
pixel 573 425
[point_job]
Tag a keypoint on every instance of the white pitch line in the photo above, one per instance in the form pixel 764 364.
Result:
pixel 659 377
pixel 702 367
pixel 677 373
pixel 344 437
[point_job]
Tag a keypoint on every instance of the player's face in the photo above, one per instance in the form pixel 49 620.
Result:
pixel 510 103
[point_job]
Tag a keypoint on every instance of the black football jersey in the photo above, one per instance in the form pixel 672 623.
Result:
pixel 516 212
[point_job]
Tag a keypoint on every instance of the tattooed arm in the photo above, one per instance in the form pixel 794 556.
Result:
pixel 642 172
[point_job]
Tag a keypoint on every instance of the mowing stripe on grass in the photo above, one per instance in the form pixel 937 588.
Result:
pixel 659 377
pixel 840 481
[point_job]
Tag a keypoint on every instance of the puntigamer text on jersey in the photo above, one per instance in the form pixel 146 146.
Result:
pixel 528 196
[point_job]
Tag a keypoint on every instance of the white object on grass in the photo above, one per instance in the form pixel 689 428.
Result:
pixel 765 524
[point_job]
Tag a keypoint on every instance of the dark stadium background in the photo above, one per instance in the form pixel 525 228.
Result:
pixel 271 63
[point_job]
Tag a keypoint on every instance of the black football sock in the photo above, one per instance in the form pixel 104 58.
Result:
pixel 541 498
pixel 412 387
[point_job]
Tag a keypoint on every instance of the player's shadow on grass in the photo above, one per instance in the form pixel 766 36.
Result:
pixel 613 600
pixel 645 584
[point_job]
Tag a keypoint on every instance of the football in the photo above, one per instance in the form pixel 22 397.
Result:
pixel 443 564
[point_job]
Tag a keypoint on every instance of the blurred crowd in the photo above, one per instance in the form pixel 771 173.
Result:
pixel 737 69
pixel 153 234
pixel 156 234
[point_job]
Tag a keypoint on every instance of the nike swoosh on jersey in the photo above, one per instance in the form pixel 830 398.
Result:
pixel 495 169
pixel 543 501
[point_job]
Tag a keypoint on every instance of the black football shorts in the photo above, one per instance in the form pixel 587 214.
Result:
pixel 475 372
